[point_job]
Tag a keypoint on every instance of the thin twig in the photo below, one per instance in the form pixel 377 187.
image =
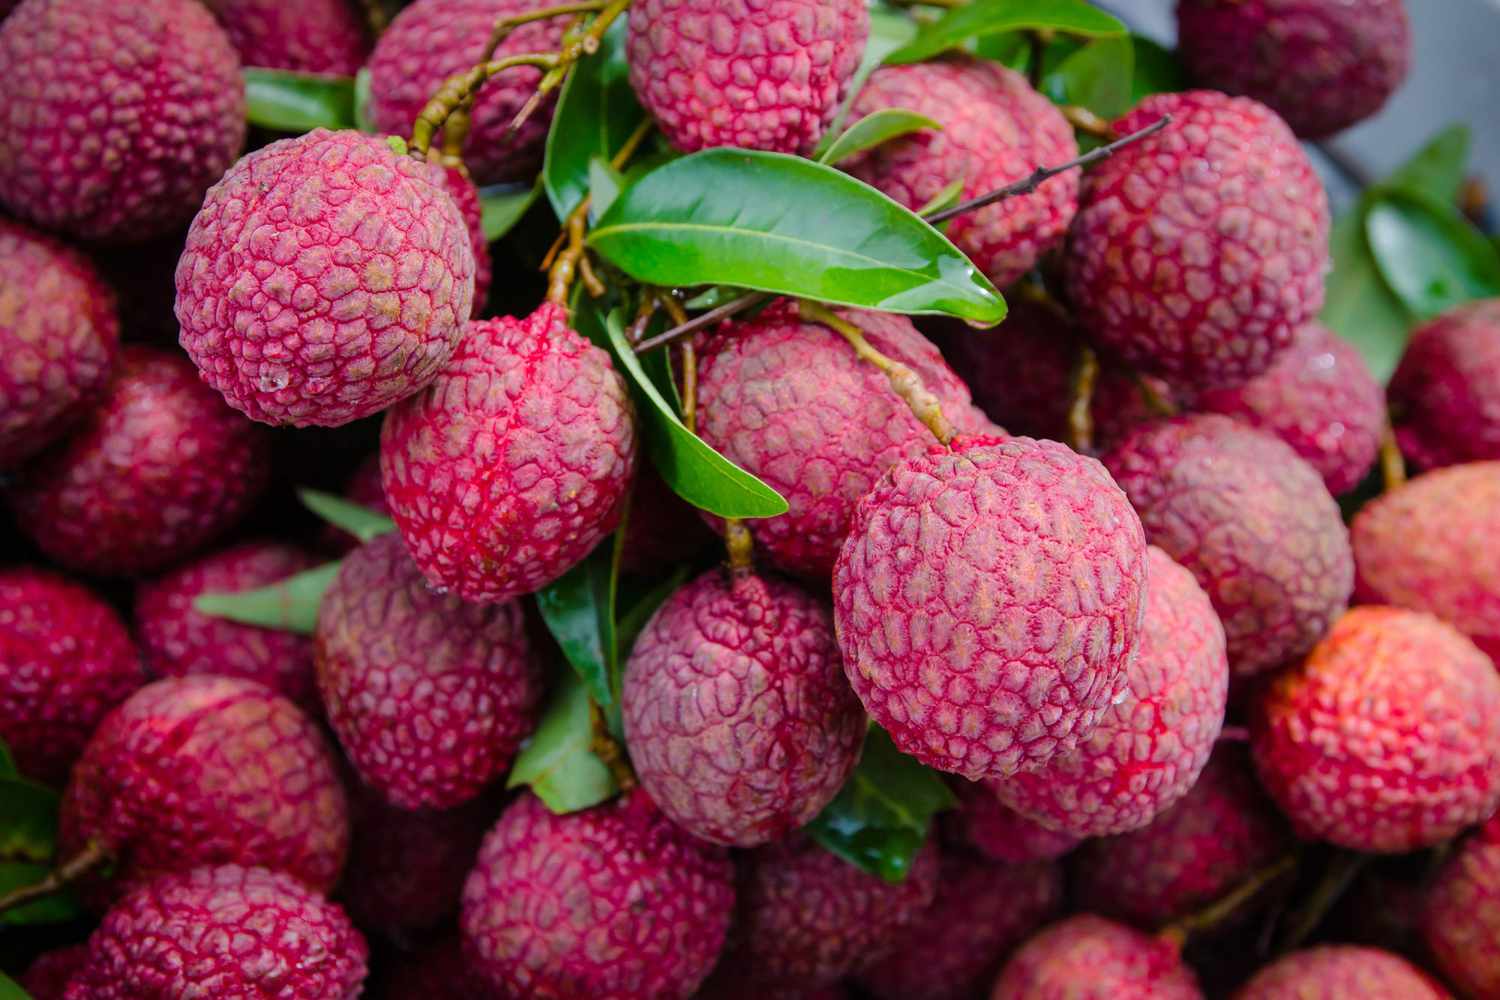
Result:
pixel 1081 406
pixel 506 25
pixel 689 358
pixel 740 546
pixel 92 856
pixel 575 47
pixel 1226 906
pixel 459 89
pixel 702 320
pixel 1392 463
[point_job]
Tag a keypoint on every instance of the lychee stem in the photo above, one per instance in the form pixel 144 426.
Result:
pixel 1392 463
pixel 689 385
pixel 574 49
pixel 1337 878
pixel 93 855
pixel 1087 122
pixel 608 750
pixel 569 254
pixel 375 16
pixel 905 382
pixel 714 315
pixel 1155 401
pixel 1221 909
pixel 1080 409
pixel 458 89
pixel 740 546
pixel 506 25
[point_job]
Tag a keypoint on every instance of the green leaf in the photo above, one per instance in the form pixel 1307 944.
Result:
pixel 786 225
pixel 356 519
pixel 59 908
pixel 284 101
pixel 874 129
pixel 1429 254
pixel 1097 76
pixel 883 814
pixel 1009 48
pixel 11 990
pixel 362 119
pixel 632 621
pixel 989 17
pixel 713 297
pixel 1157 71
pixel 1358 306
pixel 7 762
pixel 605 184
pixel 291 605
pixel 557 762
pixel 28 821
pixel 949 196
pixel 1437 170
pixel 578 609
pixel 596 113
pixel 502 206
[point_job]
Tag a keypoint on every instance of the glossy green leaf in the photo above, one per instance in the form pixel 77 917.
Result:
pixel 501 207
pixel 883 814
pixel 605 185
pixel 786 225
pixel 558 762
pixel 596 113
pixel 713 297
pixel 291 605
pixel 1097 76
pixel 284 101
pixel 1008 48
pixel 1438 169
pixel 951 194
pixel 28 821
pixel 362 119
pixel 1157 71
pixel 874 129
pixel 578 609
pixel 1429 254
pixel 7 762
pixel 59 908
pixel 11 990
pixel 1358 305
pixel 356 519
pixel 989 17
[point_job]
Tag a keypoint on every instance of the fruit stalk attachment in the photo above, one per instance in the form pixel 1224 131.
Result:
pixel 93 855
pixel 1080 409
pixel 1392 462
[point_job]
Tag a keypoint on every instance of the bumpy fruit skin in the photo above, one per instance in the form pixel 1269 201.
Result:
pixel 808 918
pixel 59 339
pixel 430 695
pixel 613 902
pixel 1386 738
pixel 207 770
pixel 739 720
pixel 309 36
pixel 178 640
pixel 1321 64
pixel 1090 958
pixel 48 976
pixel 1460 916
pixel 325 278
pixel 65 661
pixel 1220 833
pixel 430 41
pixel 789 401
pixel 157 84
pixel 510 467
pixel 1252 521
pixel 1319 397
pixel 157 469
pixel 988 601
pixel 1199 251
pixel 228 932
pixel 995 129
pixel 1151 743
pixel 1445 395
pixel 985 824
pixel 955 947
pixel 1337 972
pixel 1455 513
pixel 767 75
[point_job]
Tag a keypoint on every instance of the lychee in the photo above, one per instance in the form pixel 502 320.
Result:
pixel 430 695
pixel 325 278
pixel 118 116
pixel 1321 64
pixel 1217 836
pixel 178 639
pixel 65 661
pixel 808 918
pixel 982 911
pixel 432 40
pixel 1199 251
pixel 788 400
pixel 1252 521
pixel 985 824
pixel 309 36
pixel 49 975
pixel 1460 916
pixel 739 720
pixel 613 902
pixel 1445 395
pixel 1090 958
pixel 1386 738
pixel 455 180
pixel 223 931
pixel 1422 547
pixel 1337 972
pixel 511 466
pixel 158 468
pixel 662 529
pixel 207 770
pixel 988 602
pixel 995 130
pixel 764 76
pixel 59 339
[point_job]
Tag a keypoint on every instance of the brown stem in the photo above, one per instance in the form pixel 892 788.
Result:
pixel 574 48
pixel 93 855
pixel 702 320
pixel 1086 121
pixel 1392 463
pixel 505 26
pixel 375 16
pixel 608 749
pixel 1221 909
pixel 1080 409
pixel 689 385
pixel 1342 870
pixel 740 546
pixel 562 269
pixel 460 88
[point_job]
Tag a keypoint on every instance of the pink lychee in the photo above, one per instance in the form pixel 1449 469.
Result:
pixel 1335 972
pixel 49 975
pixel 1445 395
pixel 662 529
pixel 1089 958
pixel 1460 916
pixel 455 180
pixel 985 824
pixel 309 36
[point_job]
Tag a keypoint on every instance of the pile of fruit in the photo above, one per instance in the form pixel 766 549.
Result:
pixel 512 499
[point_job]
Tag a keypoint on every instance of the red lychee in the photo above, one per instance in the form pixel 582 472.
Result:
pixel 789 401
pixel 1460 916
pixel 613 902
pixel 430 695
pixel 767 75
pixel 995 129
pixel 65 661
pixel 1199 251
pixel 157 469
pixel 1445 395
pixel 325 278
pixel 662 529
pixel 59 340
pixel 988 601
pixel 119 115
pixel 985 824
pixel 1321 64
pixel 207 770
pixel 309 36
pixel 1252 521
pixel 178 639
pixel 511 466
pixel 465 195
pixel 1386 738
pixel 1342 972
pixel 1090 958
pixel 49 975
pixel 225 931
